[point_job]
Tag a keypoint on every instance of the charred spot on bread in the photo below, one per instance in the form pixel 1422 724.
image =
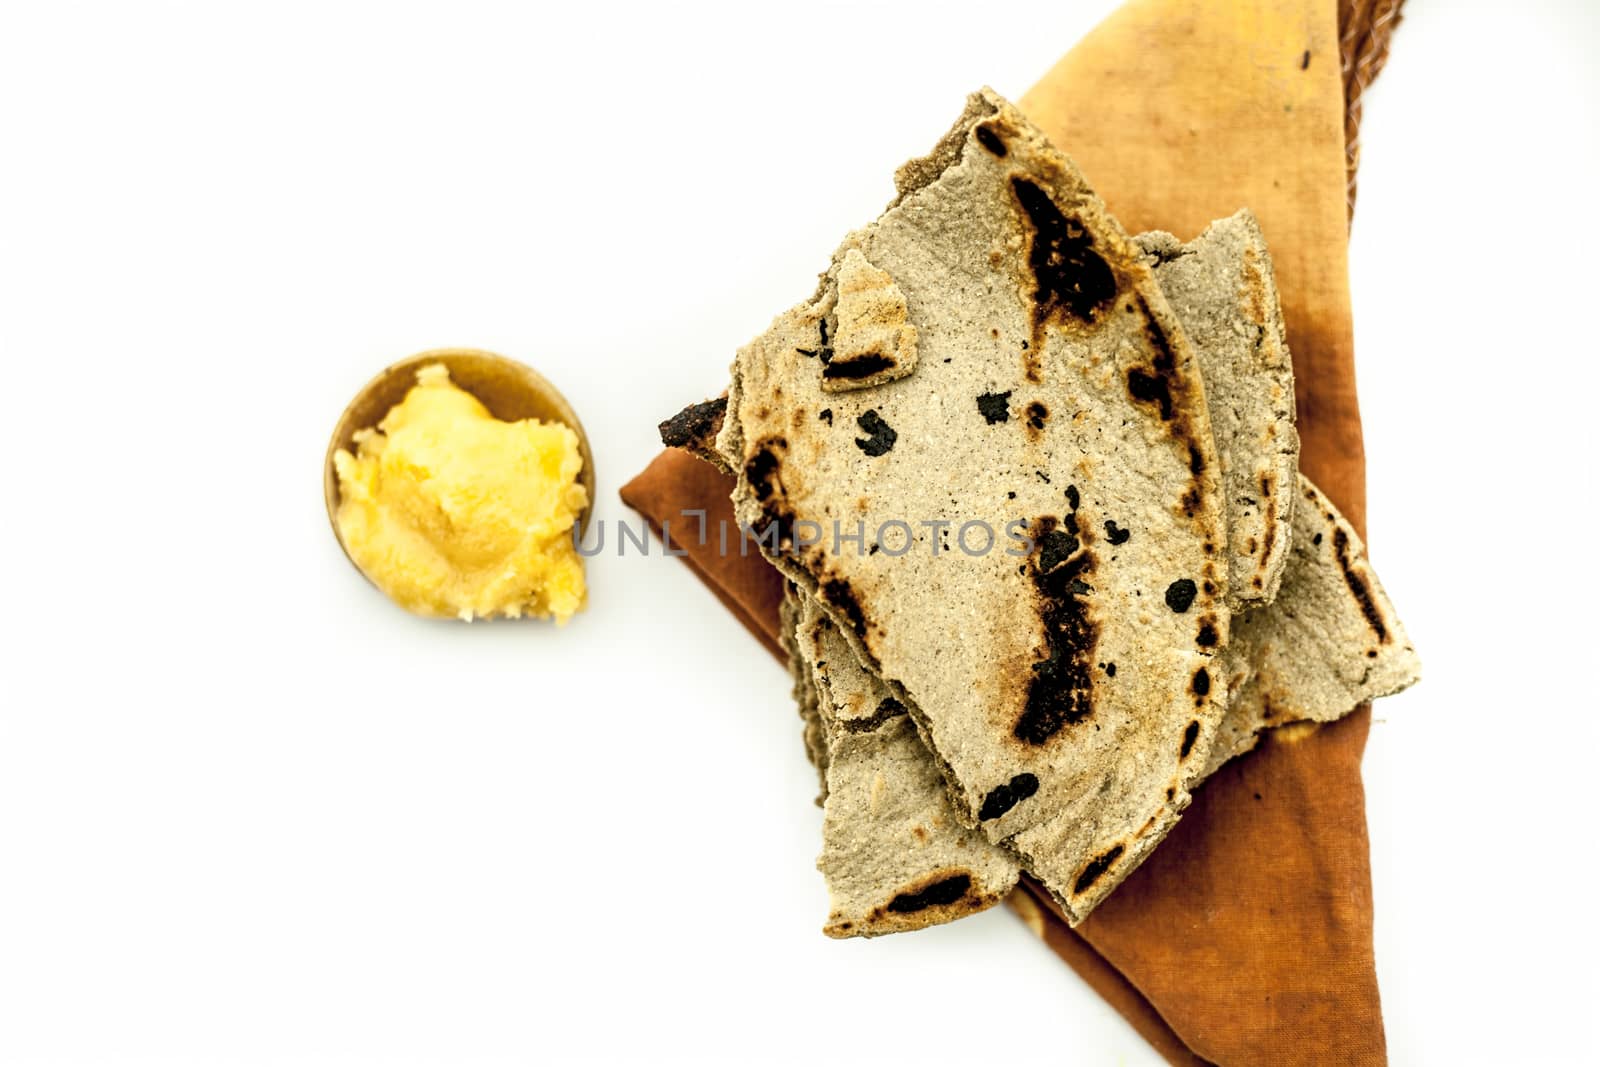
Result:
pixel 1002 798
pixel 1037 414
pixel 1201 682
pixel 855 369
pixel 1072 497
pixel 1181 594
pixel 1358 586
pixel 837 591
pixel 880 435
pixel 1061 691
pixel 995 407
pixel 942 893
pixel 1206 636
pixel 1116 535
pixel 1190 733
pixel 1071 278
pixel 1071 281
pixel 826 415
pixel 1147 388
pixel 888 708
pixel 1095 868
pixel 761 469
pixel 986 136
pixel 696 424
pixel 1159 384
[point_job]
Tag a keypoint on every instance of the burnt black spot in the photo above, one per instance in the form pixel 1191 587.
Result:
pixel 1037 414
pixel 1043 477
pixel 1072 497
pixel 1070 277
pixel 1207 637
pixel 837 591
pixel 864 366
pixel 1180 594
pixel 995 407
pixel 761 469
pixel 824 351
pixel 1150 389
pixel 1061 689
pixel 1358 586
pixel 1002 798
pixel 888 708
pixel 1197 462
pixel 1054 548
pixel 1305 59
pixel 1190 732
pixel 826 415
pixel 990 140
pixel 1115 535
pixel 941 893
pixel 695 424
pixel 1317 540
pixel 881 435
pixel 1111 669
pixel 1201 683
pixel 1097 866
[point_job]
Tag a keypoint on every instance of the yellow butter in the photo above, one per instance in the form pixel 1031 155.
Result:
pixel 453 513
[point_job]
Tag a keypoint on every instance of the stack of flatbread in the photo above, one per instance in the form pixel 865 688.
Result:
pixel 1033 483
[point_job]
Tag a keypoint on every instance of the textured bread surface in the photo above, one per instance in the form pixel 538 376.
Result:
pixel 1062 679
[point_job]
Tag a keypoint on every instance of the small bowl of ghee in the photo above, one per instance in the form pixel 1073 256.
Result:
pixel 456 481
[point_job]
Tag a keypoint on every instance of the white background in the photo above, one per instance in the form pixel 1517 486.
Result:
pixel 251 813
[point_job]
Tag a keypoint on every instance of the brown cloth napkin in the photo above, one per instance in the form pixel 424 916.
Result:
pixel 1246 937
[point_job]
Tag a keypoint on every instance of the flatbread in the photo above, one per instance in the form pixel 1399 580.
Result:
pixel 1313 655
pixel 1308 656
pixel 894 855
pixel 1054 391
pixel 1329 643
pixel 1222 287
pixel 803 689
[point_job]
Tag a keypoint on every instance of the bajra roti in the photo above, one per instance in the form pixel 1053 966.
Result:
pixel 870 862
pixel 894 855
pixel 1331 640
pixel 1222 287
pixel 1061 679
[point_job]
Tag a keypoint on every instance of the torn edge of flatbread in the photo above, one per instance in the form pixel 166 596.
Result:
pixel 695 429
pixel 803 687
pixel 894 856
pixel 1329 643
pixel 1222 287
